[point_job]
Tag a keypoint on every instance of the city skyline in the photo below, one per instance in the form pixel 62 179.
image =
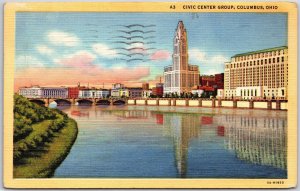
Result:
pixel 65 48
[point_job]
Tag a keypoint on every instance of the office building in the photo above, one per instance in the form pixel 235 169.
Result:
pixel 257 74
pixel 180 76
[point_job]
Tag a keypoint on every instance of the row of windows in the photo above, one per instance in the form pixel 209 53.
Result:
pixel 254 63
pixel 260 55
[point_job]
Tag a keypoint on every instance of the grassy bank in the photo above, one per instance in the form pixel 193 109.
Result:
pixel 42 139
pixel 42 162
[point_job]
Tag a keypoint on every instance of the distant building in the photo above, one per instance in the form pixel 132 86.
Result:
pixel 146 93
pixel 158 90
pixel 31 92
pixel 117 90
pixel 257 74
pixel 54 92
pixel 180 76
pixel 84 93
pixel 124 92
pixel 118 86
pixel 73 92
pixel 145 86
pixel 135 92
pixel 216 81
pixel 207 80
pixel 93 93
pixel 219 81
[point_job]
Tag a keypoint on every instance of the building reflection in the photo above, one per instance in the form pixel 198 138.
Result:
pixel 259 140
pixel 182 129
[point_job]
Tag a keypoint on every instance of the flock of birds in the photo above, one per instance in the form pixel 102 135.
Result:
pixel 134 42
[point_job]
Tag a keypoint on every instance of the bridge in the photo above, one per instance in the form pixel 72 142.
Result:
pixel 79 101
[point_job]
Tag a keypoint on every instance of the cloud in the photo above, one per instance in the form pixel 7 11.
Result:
pixel 63 38
pixel 79 59
pixel 42 49
pixel 202 57
pixel 212 72
pixel 219 59
pixel 104 51
pixel 28 61
pixel 196 54
pixel 160 55
pixel 70 76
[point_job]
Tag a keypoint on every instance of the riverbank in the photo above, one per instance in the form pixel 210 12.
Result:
pixel 42 162
pixel 42 139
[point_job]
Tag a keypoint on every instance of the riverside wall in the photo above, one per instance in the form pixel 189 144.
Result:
pixel 246 104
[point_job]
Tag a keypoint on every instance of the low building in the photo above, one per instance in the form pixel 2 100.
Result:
pixel 135 92
pixel 115 93
pixel 207 80
pixel 118 86
pixel 31 92
pixel 84 93
pixel 145 86
pixel 146 93
pixel 158 90
pixel 219 81
pixel 94 93
pixel 54 92
pixel 73 92
pixel 124 92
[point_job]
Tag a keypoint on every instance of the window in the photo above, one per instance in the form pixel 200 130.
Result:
pixel 282 59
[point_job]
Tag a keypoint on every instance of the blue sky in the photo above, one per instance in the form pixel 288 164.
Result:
pixel 72 41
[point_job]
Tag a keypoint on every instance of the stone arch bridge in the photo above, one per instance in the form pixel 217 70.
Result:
pixel 80 101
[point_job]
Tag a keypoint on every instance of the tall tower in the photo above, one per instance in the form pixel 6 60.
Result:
pixel 180 76
pixel 180 53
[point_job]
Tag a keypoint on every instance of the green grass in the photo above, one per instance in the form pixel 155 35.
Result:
pixel 42 162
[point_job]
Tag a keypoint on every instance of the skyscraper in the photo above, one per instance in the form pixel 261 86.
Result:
pixel 180 76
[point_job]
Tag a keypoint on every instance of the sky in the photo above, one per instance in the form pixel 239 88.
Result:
pixel 96 49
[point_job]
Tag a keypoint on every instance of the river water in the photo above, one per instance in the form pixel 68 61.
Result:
pixel 176 142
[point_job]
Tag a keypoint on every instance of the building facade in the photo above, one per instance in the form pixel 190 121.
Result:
pixel 258 74
pixel 180 76
pixel 145 86
pixel 146 93
pixel 135 92
pixel 94 93
pixel 31 92
pixel 54 92
pixel 73 92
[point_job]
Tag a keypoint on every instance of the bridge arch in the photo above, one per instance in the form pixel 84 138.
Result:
pixel 62 102
pixel 38 101
pixel 84 102
pixel 119 102
pixel 103 102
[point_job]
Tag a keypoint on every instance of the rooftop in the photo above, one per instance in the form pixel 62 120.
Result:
pixel 260 51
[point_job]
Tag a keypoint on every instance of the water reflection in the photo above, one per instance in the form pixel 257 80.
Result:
pixel 258 140
pixel 182 129
pixel 198 142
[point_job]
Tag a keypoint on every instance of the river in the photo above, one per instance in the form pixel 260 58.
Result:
pixel 176 142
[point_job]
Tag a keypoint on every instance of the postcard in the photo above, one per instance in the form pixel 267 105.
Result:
pixel 150 95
